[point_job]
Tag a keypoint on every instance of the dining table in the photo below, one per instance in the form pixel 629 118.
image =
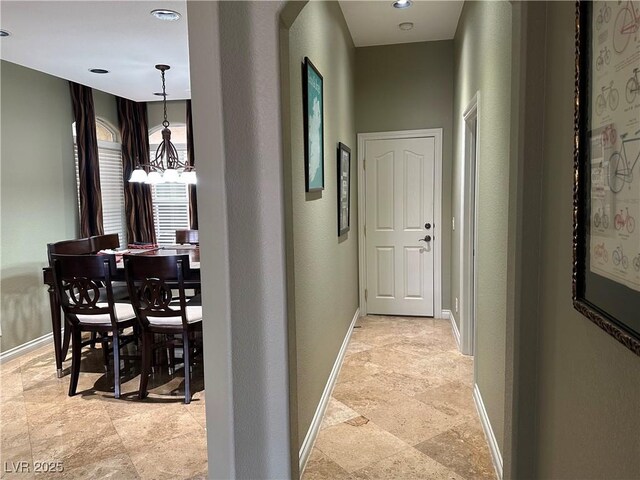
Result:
pixel 62 339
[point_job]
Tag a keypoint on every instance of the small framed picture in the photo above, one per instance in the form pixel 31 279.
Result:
pixel 313 102
pixel 344 188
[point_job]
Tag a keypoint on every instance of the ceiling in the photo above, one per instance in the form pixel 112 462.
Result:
pixel 66 39
pixel 376 22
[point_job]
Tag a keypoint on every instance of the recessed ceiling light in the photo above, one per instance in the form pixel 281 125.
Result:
pixel 406 25
pixel 100 71
pixel 164 14
pixel 4 33
pixel 402 4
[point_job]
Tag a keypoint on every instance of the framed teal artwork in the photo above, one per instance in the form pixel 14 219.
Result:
pixel 313 101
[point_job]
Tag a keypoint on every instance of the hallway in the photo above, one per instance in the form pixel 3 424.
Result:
pixel 402 407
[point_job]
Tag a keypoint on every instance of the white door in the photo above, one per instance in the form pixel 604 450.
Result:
pixel 399 230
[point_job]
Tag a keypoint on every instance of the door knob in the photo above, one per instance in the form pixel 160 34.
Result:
pixel 427 226
pixel 427 238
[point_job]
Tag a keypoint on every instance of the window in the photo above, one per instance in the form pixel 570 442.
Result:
pixel 111 179
pixel 170 200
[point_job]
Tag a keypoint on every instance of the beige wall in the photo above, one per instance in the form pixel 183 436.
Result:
pixel 482 50
pixel 588 384
pixel 322 268
pixel 38 194
pixel 406 87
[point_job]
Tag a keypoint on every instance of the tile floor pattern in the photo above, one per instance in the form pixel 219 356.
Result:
pixel 402 408
pixel 93 434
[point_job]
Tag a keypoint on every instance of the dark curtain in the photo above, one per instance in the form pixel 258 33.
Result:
pixel 193 200
pixel 132 117
pixel 88 168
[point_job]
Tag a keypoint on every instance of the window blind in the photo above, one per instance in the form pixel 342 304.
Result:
pixel 112 186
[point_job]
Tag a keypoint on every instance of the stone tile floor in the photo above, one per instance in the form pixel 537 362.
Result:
pixel 402 408
pixel 92 434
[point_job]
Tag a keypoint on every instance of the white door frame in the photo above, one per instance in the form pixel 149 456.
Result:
pixel 468 228
pixel 436 134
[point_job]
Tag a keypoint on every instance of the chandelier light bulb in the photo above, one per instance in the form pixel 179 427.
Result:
pixel 138 176
pixel 170 175
pixel 154 178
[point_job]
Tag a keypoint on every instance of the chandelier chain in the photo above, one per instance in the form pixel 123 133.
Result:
pixel 165 123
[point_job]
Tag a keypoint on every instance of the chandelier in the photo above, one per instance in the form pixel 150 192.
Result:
pixel 166 166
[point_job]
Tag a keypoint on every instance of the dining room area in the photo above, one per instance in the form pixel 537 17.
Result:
pixel 102 370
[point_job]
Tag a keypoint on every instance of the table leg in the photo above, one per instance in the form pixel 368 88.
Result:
pixel 56 325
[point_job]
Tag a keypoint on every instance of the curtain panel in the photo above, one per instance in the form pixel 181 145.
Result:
pixel 134 131
pixel 88 168
pixel 193 200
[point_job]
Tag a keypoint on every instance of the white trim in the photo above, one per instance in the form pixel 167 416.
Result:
pixel 314 428
pixel 25 348
pixel 448 314
pixel 436 133
pixel 496 456
pixel 468 228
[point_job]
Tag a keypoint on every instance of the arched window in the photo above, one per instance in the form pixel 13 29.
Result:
pixel 111 178
pixel 170 200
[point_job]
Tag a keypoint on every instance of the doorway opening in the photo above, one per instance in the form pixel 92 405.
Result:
pixel 468 228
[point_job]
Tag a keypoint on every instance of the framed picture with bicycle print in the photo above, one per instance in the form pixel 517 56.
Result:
pixel 606 275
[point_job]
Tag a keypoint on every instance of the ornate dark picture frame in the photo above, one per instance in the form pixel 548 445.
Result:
pixel 605 287
pixel 344 188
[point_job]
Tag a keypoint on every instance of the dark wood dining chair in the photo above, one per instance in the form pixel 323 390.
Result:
pixel 85 246
pixel 152 281
pixel 187 236
pixel 85 292
pixel 104 242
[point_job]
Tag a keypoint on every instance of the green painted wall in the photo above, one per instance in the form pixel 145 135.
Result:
pixel 406 87
pixel 38 194
pixel 38 191
pixel 482 51
pixel 322 268
pixel 588 384
pixel 176 112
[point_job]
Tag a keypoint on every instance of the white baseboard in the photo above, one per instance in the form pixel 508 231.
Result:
pixel 314 428
pixel 454 327
pixel 446 314
pixel 25 348
pixel 496 456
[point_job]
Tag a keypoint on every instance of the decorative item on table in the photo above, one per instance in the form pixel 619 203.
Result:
pixel 166 166
pixel 143 246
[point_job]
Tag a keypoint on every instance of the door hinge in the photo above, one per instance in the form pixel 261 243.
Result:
pixel 366 294
pixel 365 230
pixel 364 163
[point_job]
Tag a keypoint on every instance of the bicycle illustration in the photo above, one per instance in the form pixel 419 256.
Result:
pixel 601 218
pixel 623 220
pixel 603 58
pixel 636 263
pixel 600 252
pixel 633 87
pixel 626 25
pixel 619 257
pixel 620 170
pixel 609 135
pixel 604 15
pixel 610 96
